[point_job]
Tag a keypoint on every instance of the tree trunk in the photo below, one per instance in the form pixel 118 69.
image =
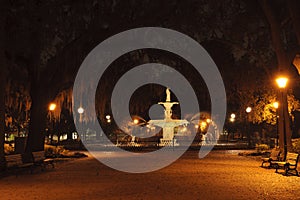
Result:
pixel 2 106
pixel 38 113
pixel 278 46
pixel 3 73
pixel 283 66
pixel 293 6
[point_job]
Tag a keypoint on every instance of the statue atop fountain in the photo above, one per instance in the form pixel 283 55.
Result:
pixel 168 124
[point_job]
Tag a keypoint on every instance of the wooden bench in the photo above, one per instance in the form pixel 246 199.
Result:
pixel 274 157
pixel 290 164
pixel 15 163
pixel 39 159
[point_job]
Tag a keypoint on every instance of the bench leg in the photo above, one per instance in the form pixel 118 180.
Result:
pixel 286 169
pixel 263 164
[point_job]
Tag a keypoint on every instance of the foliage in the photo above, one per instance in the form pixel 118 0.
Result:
pixel 261 147
pixel 262 104
pixel 42 35
pixel 53 151
pixel 8 149
pixel 296 145
pixel 50 151
pixel 17 107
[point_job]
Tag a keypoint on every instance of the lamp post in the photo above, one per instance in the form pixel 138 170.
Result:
pixel 109 129
pixel 248 111
pixel 283 114
pixel 231 119
pixel 80 111
pixel 108 120
pixel 276 106
pixel 52 107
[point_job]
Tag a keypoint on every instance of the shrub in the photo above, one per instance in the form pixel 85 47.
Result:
pixel 261 147
pixel 53 151
pixel 296 145
pixel 8 149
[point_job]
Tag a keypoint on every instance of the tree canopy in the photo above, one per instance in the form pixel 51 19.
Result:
pixel 46 41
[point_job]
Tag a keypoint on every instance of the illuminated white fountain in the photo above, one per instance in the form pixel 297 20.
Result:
pixel 168 124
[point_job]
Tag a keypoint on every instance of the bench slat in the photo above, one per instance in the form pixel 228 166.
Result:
pixel 289 164
pixel 15 162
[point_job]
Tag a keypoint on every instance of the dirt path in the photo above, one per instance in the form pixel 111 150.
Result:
pixel 221 175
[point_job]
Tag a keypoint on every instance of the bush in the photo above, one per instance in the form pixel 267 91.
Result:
pixel 53 151
pixel 296 145
pixel 262 147
pixel 8 149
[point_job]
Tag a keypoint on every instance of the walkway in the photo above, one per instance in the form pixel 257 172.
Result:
pixel 221 175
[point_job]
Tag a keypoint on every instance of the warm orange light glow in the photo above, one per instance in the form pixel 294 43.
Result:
pixel 136 121
pixel 208 120
pixel 248 109
pixel 196 126
pixel 203 126
pixel 281 82
pixel 52 106
pixel 80 110
pixel 184 129
pixel 276 104
pixel 232 116
pixel 107 117
pixel 231 119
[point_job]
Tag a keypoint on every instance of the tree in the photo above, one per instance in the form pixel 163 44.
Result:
pixel 50 39
pixel 283 63
pixel 39 40
pixel 3 66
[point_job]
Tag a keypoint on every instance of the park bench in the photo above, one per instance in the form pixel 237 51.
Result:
pixel 39 159
pixel 274 157
pixel 290 164
pixel 16 164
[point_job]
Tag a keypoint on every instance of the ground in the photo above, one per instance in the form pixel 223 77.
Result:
pixel 220 175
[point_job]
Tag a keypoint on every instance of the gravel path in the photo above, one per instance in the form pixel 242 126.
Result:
pixel 221 175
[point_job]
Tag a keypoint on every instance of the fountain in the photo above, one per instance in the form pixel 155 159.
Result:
pixel 168 124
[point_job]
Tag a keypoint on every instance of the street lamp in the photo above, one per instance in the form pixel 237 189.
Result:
pixel 203 126
pixel 282 82
pixel 232 117
pixel 80 110
pixel 108 120
pixel 248 111
pixel 135 121
pixel 52 107
pixel 276 106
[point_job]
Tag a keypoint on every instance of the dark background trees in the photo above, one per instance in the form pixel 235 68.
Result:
pixel 45 43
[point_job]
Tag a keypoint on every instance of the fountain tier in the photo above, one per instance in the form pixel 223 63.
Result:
pixel 168 124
